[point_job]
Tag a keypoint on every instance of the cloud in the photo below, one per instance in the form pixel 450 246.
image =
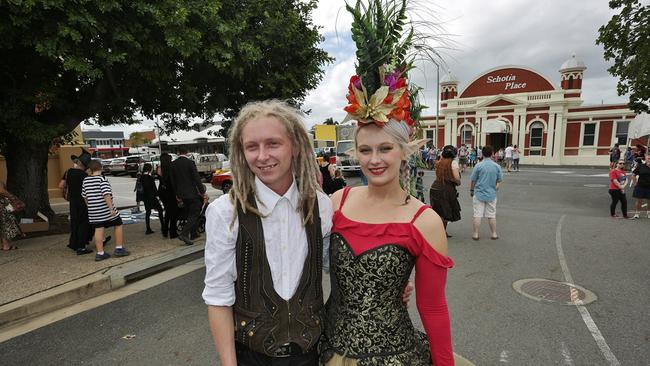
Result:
pixel 328 99
pixel 539 35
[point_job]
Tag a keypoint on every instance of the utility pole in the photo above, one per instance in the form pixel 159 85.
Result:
pixel 435 134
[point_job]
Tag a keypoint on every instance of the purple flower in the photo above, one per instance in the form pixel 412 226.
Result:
pixel 391 79
pixel 357 83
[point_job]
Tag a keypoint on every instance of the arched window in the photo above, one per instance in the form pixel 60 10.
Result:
pixel 536 135
pixel 466 135
pixel 570 82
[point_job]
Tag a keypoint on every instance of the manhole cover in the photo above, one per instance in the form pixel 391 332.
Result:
pixel 553 291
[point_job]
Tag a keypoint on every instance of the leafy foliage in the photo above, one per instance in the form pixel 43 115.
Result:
pixel 65 61
pixel 138 139
pixel 377 32
pixel 626 38
pixel 107 60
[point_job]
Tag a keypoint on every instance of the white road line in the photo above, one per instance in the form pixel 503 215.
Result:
pixel 567 361
pixel 503 358
pixel 589 322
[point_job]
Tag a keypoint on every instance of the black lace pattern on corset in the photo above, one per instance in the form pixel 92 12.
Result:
pixel 365 317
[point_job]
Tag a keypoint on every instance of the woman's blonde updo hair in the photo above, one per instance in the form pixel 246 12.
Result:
pixel 400 132
pixel 305 169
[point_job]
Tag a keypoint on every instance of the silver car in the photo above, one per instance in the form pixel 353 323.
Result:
pixel 118 166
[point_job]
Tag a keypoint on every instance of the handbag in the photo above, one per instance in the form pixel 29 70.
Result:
pixel 16 203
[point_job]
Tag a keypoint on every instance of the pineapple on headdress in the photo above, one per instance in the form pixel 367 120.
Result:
pixel 379 91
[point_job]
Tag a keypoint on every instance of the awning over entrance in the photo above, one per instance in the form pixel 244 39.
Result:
pixel 495 126
pixel 640 126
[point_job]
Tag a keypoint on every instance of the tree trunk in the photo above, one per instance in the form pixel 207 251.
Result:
pixel 27 176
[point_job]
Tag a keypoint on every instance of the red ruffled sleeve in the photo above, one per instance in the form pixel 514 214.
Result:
pixel 430 280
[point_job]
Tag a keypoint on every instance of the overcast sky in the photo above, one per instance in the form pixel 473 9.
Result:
pixel 486 34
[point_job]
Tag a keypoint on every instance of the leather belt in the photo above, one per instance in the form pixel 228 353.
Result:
pixel 288 350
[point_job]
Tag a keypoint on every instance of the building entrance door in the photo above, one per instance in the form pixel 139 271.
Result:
pixel 497 140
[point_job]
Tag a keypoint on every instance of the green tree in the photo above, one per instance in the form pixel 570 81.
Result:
pixel 138 139
pixel 330 121
pixel 626 38
pixel 66 61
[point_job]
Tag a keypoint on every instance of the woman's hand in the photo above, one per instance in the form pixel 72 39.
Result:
pixel 406 295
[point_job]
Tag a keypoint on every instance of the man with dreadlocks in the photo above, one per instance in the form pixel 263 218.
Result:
pixel 379 232
pixel 263 249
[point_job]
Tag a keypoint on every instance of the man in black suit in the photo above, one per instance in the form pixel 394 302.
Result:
pixel 189 189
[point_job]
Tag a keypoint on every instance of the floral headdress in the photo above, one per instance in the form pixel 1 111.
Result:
pixel 380 90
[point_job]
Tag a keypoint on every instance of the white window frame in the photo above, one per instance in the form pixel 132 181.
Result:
pixel 461 129
pixel 596 131
pixel 627 135
pixel 530 136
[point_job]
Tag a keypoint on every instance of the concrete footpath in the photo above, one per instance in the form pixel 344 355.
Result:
pixel 44 275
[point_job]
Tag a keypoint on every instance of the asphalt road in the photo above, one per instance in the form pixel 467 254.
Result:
pixel 492 324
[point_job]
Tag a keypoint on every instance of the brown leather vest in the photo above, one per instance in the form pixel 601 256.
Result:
pixel 263 320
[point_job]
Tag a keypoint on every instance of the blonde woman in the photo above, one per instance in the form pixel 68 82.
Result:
pixel 379 234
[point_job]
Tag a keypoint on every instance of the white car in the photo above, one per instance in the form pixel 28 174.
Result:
pixel 118 166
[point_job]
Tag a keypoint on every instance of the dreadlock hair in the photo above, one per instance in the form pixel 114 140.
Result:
pixel 399 131
pixel 305 169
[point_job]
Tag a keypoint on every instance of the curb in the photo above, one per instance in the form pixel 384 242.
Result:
pixel 95 284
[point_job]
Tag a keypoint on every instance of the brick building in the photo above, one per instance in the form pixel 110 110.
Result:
pixel 518 105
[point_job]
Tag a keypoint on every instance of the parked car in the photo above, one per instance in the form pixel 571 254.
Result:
pixel 134 163
pixel 106 166
pixel 222 180
pixel 206 164
pixel 118 166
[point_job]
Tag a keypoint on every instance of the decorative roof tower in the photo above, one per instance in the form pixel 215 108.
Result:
pixel 448 86
pixel 572 71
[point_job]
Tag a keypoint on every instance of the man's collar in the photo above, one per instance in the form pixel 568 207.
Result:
pixel 269 199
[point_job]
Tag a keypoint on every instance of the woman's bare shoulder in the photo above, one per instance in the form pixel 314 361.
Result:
pixel 430 226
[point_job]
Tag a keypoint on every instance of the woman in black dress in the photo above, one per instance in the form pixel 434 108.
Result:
pixel 443 194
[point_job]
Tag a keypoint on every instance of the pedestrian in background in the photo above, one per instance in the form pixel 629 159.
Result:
pixel 102 214
pixel 486 179
pixel 462 157
pixel 508 157
pixel 515 158
pixel 472 157
pixel 617 183
pixel 614 156
pixel 327 173
pixel 150 199
pixel 189 190
pixel 80 231
pixel 443 194
pixel 338 182
pixel 139 192
pixel 419 186
pixel 168 196
pixel 9 228
pixel 629 158
pixel 641 179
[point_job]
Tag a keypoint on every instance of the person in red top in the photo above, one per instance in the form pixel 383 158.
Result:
pixel 379 233
pixel 617 183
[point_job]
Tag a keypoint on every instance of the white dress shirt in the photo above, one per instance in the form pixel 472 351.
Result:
pixel 284 236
